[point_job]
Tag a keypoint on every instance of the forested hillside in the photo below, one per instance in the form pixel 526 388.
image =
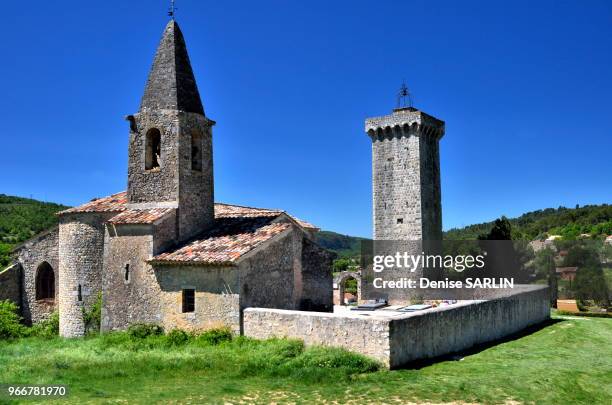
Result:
pixel 22 218
pixel 595 220
pixel 343 245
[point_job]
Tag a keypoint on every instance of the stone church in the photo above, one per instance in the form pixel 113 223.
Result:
pixel 163 251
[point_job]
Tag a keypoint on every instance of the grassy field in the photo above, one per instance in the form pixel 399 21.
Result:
pixel 567 362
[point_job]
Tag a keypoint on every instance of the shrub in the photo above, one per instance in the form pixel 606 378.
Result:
pixel 93 316
pixel 334 358
pixel 144 330
pixel 177 337
pixel 10 321
pixel 215 336
pixel 269 355
pixel 48 328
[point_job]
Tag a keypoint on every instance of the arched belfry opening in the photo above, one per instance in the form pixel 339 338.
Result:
pixel 153 149
pixel 45 282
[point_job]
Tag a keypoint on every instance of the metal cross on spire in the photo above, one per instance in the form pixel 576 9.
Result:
pixel 172 10
pixel 404 98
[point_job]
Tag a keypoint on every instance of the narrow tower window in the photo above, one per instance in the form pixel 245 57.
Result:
pixel 188 300
pixel 196 151
pixel 153 149
pixel 79 293
pixel 126 274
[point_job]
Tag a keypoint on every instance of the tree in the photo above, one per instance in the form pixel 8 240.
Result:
pixel 590 283
pixel 341 265
pixel 502 230
pixel 545 268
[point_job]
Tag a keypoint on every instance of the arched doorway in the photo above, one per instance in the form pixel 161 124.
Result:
pixel 349 288
pixel 45 282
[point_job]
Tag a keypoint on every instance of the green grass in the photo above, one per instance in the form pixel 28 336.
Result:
pixel 567 362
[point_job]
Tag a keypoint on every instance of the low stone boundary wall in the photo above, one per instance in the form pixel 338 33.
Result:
pixel 396 340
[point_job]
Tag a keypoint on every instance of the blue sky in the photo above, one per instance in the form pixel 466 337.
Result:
pixel 524 87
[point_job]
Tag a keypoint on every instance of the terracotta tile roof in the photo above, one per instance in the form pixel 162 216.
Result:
pixel 148 216
pixel 236 211
pixel 118 203
pixel 226 242
pixel 114 203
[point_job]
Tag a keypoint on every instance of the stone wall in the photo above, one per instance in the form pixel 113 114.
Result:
pixel 396 340
pixel 81 250
pixel 267 276
pixel 42 248
pixel 160 184
pixel 445 330
pixel 317 292
pixel 217 302
pixel 130 289
pixel 196 190
pixel 365 335
pixel 10 284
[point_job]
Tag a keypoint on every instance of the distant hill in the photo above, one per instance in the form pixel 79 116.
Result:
pixel 342 245
pixel 22 218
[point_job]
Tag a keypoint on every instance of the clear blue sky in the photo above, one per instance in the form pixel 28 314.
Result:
pixel 525 89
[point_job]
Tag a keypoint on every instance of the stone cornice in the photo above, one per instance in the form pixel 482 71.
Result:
pixel 404 122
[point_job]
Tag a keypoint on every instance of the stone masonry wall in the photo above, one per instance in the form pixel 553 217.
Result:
pixel 10 284
pixel 136 299
pixel 445 330
pixel 317 278
pixel 368 336
pixel 217 302
pixel 267 277
pixel 160 184
pixel 398 340
pixel 81 249
pixel 396 188
pixel 196 188
pixel 40 249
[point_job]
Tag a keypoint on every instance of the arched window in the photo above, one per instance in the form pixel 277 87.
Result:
pixel 196 151
pixel 153 149
pixel 45 282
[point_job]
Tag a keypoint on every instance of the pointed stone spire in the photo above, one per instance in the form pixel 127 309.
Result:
pixel 171 84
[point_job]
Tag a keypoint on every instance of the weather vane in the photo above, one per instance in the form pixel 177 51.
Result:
pixel 172 10
pixel 404 98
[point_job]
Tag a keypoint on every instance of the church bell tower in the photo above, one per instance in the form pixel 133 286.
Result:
pixel 170 147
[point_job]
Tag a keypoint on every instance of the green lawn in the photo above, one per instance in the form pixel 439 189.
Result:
pixel 567 362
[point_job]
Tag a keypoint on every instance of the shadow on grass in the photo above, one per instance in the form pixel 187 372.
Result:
pixel 457 356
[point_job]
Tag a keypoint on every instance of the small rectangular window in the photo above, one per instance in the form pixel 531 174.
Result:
pixel 188 300
pixel 400 220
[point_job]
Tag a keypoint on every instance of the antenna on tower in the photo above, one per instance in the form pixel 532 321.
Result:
pixel 172 9
pixel 404 97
